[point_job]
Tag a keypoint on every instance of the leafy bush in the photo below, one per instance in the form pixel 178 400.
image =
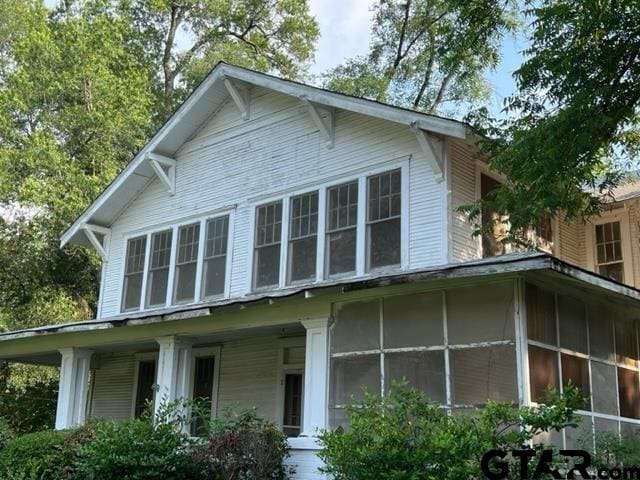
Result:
pixel 5 433
pixel 138 449
pixel 39 455
pixel 613 451
pixel 403 436
pixel 242 446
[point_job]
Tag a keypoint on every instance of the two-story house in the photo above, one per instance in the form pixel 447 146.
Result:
pixel 281 246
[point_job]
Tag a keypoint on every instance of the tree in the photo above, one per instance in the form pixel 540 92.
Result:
pixel 426 54
pixel 188 37
pixel 574 126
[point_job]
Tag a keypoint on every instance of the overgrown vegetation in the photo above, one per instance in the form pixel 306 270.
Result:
pixel 404 436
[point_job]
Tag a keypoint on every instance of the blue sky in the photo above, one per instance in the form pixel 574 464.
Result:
pixel 345 28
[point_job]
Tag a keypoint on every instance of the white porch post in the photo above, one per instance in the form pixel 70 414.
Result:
pixel 316 376
pixel 74 387
pixel 174 370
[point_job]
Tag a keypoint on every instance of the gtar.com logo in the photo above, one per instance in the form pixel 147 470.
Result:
pixel 495 466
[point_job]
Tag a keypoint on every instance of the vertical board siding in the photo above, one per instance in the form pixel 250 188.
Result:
pixel 112 389
pixel 463 192
pixel 232 162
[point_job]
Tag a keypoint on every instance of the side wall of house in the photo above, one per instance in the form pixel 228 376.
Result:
pixel 240 164
pixel 571 243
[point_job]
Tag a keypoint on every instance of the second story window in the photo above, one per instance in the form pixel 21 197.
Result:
pixel 609 261
pixel 133 274
pixel 215 257
pixel 186 263
pixel 303 233
pixel 383 219
pixel 158 277
pixel 342 220
pixel 267 245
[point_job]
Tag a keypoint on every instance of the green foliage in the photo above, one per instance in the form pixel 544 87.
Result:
pixel 6 433
pixel 611 450
pixel 242 446
pixel 403 436
pixel 573 127
pixel 428 54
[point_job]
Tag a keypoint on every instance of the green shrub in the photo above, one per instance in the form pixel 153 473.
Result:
pixel 403 436
pixel 6 433
pixel 613 451
pixel 139 449
pixel 243 446
pixel 36 456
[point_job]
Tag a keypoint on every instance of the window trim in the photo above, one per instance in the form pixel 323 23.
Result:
pixel 322 187
pixel 284 368
pixel 619 215
pixel 289 258
pixel 141 357
pixel 175 227
pixel 207 352
pixel 123 271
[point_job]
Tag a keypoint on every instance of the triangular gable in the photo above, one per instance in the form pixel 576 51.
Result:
pixel 155 159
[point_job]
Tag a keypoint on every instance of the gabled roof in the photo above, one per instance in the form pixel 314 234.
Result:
pixel 199 106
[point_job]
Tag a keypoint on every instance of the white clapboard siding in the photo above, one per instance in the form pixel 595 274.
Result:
pixel 249 376
pixel 112 389
pixel 571 243
pixel 232 162
pixel 306 464
pixel 634 229
pixel 462 157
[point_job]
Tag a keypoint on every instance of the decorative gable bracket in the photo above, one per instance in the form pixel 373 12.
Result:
pixel 240 96
pixel 433 149
pixel 324 118
pixel 165 169
pixel 92 232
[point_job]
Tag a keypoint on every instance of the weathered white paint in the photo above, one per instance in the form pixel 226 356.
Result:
pixel 73 387
pixel 173 370
pixel 278 151
pixel 316 376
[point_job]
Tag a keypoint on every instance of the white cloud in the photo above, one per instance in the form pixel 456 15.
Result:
pixel 344 31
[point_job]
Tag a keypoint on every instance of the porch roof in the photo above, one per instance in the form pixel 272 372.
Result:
pixel 542 265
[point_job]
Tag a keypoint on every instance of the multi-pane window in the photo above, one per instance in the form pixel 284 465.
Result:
pixel 215 257
pixel 342 218
pixel 158 276
pixel 609 259
pixel 186 263
pixel 203 379
pixel 595 347
pixel 145 386
pixel 383 219
pixel 376 342
pixel 134 273
pixel 292 419
pixel 303 237
pixel 267 245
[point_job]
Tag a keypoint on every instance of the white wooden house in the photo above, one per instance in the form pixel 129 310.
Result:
pixel 281 246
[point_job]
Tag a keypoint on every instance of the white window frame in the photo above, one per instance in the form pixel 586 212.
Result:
pixel 283 369
pixel 619 215
pixel 207 352
pixel 175 227
pixel 141 357
pixel 322 187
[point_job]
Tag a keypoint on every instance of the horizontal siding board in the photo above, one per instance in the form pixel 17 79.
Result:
pixel 463 192
pixel 278 149
pixel 112 389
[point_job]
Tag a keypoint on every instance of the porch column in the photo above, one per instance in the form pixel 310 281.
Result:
pixel 316 377
pixel 174 368
pixel 74 387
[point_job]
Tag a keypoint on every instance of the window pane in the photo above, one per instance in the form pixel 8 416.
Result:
pixel 302 259
pixel 629 393
pixel 304 215
pixel 626 343
pixel 573 324
pixel 541 315
pixel 357 327
pixel 481 374
pixel 341 251
pixel 605 397
pixel 134 268
pixel 292 404
pixel 342 206
pixel 384 243
pixel 267 266
pixel 413 320
pixel 480 314
pixel 186 262
pixel 268 224
pixel 144 388
pixel 157 282
pixel 214 276
pixel 576 371
pixel 601 332
pixel 576 436
pixel 384 195
pixel 351 375
pixel 614 271
pixel 543 371
pixel 185 282
pixel 217 237
pixel 203 390
pixel 423 370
